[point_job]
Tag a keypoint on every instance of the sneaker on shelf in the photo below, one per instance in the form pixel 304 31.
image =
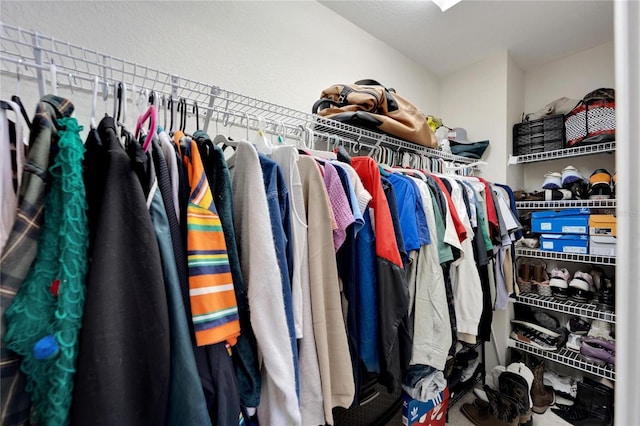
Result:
pixel 582 286
pixel 562 385
pixel 600 329
pixel 574 342
pixel 598 351
pixel 600 185
pixel 559 283
pixel 535 335
pixel 570 175
pixel 577 325
pixel 552 180
pixel 557 194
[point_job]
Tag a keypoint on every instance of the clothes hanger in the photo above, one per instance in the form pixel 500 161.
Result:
pixel 20 151
pixel 196 111
pixel 94 101
pixel 262 142
pixel 54 78
pixel 183 119
pixel 172 114
pixel 151 114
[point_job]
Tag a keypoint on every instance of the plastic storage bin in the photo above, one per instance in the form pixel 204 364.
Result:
pixel 532 137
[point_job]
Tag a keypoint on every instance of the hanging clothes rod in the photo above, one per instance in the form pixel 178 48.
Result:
pixel 20 47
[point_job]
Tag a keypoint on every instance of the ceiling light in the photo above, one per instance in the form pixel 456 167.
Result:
pixel 445 4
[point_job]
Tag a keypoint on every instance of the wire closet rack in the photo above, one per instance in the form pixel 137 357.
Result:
pixel 31 55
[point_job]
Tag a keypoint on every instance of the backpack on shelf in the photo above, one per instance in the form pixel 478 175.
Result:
pixel 593 120
pixel 370 105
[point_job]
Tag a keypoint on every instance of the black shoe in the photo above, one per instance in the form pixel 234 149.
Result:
pixel 607 296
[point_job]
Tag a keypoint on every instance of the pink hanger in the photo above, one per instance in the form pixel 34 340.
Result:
pixel 150 113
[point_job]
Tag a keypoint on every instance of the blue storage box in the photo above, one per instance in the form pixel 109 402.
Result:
pixel 576 244
pixel 570 221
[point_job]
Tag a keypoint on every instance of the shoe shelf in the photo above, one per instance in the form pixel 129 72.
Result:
pixel 565 204
pixel 569 257
pixel 563 153
pixel 566 357
pixel 586 310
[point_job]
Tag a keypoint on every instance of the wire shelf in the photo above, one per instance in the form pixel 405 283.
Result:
pixel 567 357
pixel 586 310
pixel 569 257
pixel 564 153
pixel 29 55
pixel 565 204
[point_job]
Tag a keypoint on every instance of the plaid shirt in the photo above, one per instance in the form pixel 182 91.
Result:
pixel 21 247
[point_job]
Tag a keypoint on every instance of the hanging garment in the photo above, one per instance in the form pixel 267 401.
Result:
pixel 350 192
pixel 365 280
pixel 392 201
pixel 311 402
pixel 21 247
pixel 245 355
pixel 279 213
pixel 413 222
pixel 213 301
pixel 339 204
pixel 187 405
pixel 464 275
pixel 432 335
pixel 278 401
pixel 123 370
pixel 172 158
pixel 45 317
pixel 393 293
pixel 336 371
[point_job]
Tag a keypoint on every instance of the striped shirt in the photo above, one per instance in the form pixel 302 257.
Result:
pixel 213 301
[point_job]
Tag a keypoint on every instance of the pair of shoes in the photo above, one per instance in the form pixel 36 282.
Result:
pixel 593 405
pixel 535 335
pixel 600 185
pixel 606 288
pixel 598 351
pixel 555 180
pixel 601 329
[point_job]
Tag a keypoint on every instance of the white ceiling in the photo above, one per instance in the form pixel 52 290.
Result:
pixel 534 32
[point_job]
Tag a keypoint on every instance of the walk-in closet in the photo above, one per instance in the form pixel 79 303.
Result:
pixel 319 213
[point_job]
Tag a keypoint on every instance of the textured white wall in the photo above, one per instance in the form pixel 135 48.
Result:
pixel 475 98
pixel 574 77
pixel 282 52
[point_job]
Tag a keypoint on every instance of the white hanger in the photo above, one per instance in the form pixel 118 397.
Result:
pixel 262 142
pixel 94 101
pixel 54 78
